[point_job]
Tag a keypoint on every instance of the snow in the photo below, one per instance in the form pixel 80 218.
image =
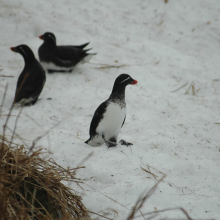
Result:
pixel 161 45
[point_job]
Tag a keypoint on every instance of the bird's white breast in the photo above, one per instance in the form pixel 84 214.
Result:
pixel 112 120
pixel 53 66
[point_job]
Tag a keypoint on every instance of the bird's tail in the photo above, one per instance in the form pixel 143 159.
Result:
pixel 82 46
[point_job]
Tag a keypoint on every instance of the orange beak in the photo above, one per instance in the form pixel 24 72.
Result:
pixel 13 49
pixel 134 82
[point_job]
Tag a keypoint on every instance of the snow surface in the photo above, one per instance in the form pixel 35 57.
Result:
pixel 163 46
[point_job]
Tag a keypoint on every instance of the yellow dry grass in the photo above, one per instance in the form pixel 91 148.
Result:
pixel 31 187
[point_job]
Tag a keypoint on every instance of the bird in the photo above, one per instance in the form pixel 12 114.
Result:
pixel 32 78
pixel 61 58
pixel 110 116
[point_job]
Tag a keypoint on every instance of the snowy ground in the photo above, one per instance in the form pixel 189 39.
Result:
pixel 163 46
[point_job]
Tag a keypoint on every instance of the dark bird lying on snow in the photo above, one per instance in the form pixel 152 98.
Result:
pixel 61 58
pixel 110 116
pixel 31 80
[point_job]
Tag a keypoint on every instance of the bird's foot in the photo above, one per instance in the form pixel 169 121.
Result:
pixel 59 71
pixel 51 71
pixel 123 142
pixel 110 144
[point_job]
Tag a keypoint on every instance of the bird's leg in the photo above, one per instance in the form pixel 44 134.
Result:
pixel 109 143
pixel 59 71
pixel 50 71
pixel 113 142
pixel 123 142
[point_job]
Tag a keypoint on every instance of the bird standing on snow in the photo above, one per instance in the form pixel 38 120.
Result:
pixel 61 58
pixel 31 80
pixel 110 116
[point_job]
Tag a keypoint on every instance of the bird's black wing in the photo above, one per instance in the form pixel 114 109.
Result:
pixel 30 82
pixel 81 46
pixel 123 121
pixel 69 54
pixel 97 117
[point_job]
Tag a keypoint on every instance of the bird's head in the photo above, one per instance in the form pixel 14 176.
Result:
pixel 122 81
pixel 48 38
pixel 24 50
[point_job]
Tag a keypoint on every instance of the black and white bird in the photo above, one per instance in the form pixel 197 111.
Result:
pixel 32 78
pixel 110 116
pixel 61 58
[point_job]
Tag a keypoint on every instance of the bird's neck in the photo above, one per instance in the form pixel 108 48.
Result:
pixel 28 60
pixel 118 93
pixel 50 43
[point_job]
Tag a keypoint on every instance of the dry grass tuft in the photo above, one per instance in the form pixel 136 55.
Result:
pixel 31 188
pixel 143 198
